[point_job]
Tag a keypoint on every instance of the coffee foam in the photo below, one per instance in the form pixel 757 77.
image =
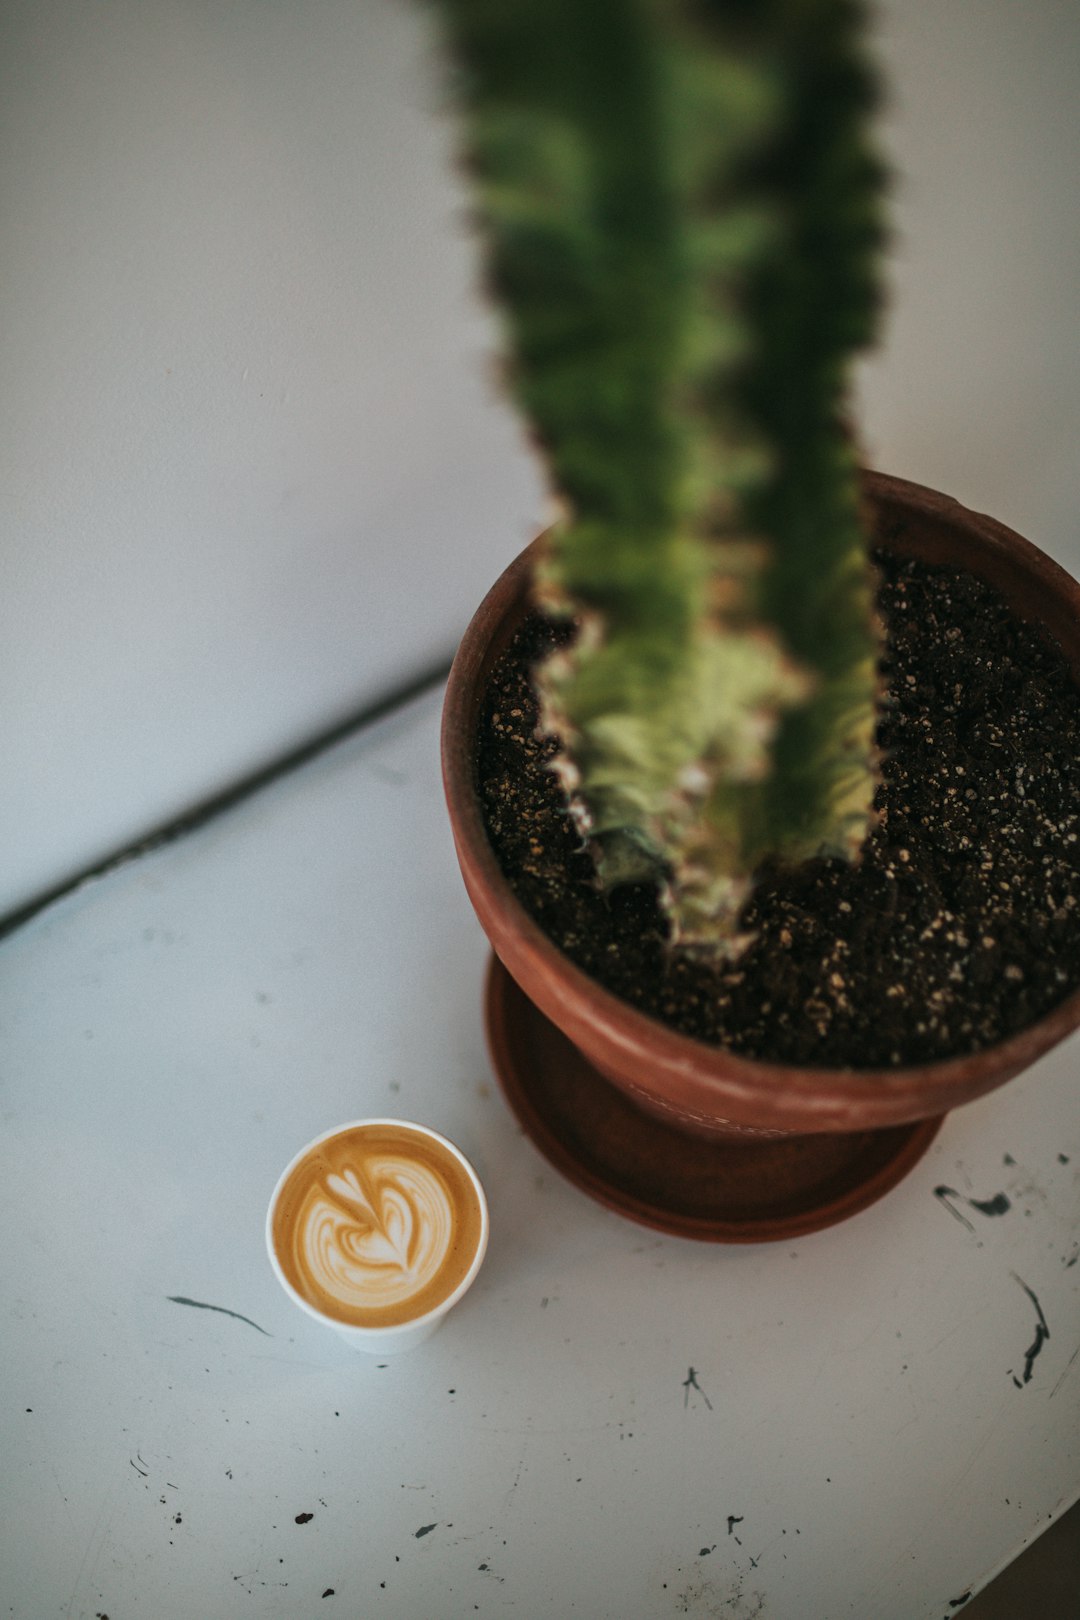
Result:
pixel 377 1225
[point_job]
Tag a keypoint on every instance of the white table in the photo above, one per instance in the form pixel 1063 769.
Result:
pixel 614 1424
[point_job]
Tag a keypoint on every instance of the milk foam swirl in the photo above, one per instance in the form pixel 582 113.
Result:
pixel 375 1234
pixel 377 1224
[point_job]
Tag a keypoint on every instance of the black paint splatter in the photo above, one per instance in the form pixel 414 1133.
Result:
pixel 956 1603
pixel 426 1529
pixel 329 1592
pixel 943 1194
pixel 1042 1333
pixel 690 1382
pixel 304 1518
pixel 732 1520
pixel 198 1305
pixel 999 1204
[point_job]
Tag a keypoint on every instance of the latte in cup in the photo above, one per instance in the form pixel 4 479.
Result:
pixel 377 1225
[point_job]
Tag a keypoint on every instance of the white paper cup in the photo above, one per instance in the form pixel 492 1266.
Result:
pixel 389 1339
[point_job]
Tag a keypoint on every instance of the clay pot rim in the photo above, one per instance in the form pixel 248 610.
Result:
pixel 736 1083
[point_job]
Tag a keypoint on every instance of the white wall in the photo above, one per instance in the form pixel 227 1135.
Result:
pixel 976 388
pixel 253 475
pixel 252 472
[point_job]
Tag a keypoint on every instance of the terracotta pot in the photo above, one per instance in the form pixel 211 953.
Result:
pixel 670 1111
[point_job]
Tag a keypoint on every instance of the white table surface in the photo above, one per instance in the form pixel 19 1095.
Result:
pixel 613 1423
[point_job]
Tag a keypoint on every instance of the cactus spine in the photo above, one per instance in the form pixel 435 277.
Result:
pixel 682 218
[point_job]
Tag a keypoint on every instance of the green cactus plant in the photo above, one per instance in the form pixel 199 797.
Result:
pixel 682 215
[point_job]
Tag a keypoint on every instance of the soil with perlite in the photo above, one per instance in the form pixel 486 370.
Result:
pixel 960 924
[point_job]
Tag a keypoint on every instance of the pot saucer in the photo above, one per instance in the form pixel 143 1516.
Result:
pixel 719 1192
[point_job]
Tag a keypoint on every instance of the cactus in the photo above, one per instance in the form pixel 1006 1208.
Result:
pixel 682 218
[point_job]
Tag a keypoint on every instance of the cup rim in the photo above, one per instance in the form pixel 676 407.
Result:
pixel 357 1329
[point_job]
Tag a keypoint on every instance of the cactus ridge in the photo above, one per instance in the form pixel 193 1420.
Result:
pixel 682 217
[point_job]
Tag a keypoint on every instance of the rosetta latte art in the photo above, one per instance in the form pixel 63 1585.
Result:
pixel 374 1236
pixel 377 1224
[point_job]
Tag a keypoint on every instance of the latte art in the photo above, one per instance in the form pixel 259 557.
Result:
pixel 378 1240
pixel 377 1224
